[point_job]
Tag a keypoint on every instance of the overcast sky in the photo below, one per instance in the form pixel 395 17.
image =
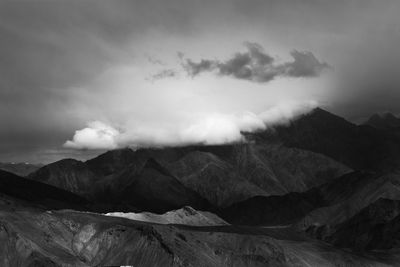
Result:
pixel 106 74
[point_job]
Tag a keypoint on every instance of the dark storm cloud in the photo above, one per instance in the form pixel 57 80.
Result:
pixel 167 73
pixel 256 65
pixel 195 68
pixel 305 64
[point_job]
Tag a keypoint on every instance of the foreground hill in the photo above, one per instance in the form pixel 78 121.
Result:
pixel 66 238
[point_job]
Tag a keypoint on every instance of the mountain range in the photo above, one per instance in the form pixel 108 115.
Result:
pixel 318 191
pixel 21 169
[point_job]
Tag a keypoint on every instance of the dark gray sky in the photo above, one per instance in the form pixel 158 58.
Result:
pixel 105 74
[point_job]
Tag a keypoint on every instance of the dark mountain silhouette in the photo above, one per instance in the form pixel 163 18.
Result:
pixel 376 226
pixel 347 196
pixel 386 121
pixel 359 147
pixel 273 210
pixel 323 206
pixel 111 161
pixel 19 168
pixel 149 187
pixel 36 193
pixel 68 174
pixel 155 189
pixel 248 170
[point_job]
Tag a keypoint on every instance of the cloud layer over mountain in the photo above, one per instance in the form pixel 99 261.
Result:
pixel 210 129
pixel 66 63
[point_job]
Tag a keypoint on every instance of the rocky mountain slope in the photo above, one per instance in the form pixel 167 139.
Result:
pixel 295 195
pixel 67 238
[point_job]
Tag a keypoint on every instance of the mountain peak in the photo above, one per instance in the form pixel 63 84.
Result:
pixel 111 161
pixel 319 117
pixel 322 113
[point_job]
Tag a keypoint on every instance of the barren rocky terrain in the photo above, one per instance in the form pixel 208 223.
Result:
pixel 297 195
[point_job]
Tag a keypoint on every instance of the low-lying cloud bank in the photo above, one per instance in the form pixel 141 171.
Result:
pixel 257 66
pixel 207 129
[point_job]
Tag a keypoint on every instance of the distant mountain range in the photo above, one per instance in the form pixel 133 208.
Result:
pixel 21 169
pixel 385 121
pixel 319 191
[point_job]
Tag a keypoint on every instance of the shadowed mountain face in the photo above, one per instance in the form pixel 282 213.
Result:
pixel 155 189
pixel 69 174
pixel 376 226
pixel 252 170
pixel 326 205
pixel 149 187
pixel 273 210
pixel 38 194
pixel 111 162
pixel 347 196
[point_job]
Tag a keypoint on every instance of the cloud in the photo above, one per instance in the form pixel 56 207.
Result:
pixel 305 64
pixel 206 129
pixel 63 64
pixel 167 73
pixel 194 68
pixel 257 66
pixel 286 111
pixel 220 128
pixel 97 135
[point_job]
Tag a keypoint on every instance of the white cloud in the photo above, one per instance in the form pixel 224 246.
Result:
pixel 286 111
pixel 97 135
pixel 213 129
pixel 209 129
